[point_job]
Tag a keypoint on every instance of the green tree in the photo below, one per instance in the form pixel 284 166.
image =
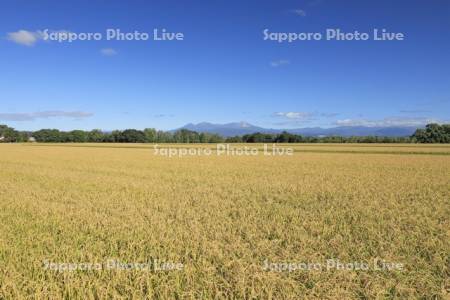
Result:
pixel 150 135
pixel 48 136
pixel 95 136
pixel 8 134
pixel 433 133
pixel 132 136
pixel 77 136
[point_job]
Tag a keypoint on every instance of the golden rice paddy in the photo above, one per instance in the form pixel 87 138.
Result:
pixel 116 221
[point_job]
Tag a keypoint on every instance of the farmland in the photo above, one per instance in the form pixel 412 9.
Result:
pixel 73 217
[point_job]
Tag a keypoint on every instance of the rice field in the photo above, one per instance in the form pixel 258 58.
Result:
pixel 118 221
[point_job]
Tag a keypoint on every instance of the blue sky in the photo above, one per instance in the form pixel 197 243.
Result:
pixel 223 71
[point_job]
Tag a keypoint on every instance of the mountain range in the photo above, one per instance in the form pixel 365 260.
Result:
pixel 241 128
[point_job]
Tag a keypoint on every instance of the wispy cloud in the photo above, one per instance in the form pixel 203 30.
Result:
pixel 25 37
pixel 163 116
pixel 44 115
pixel 329 115
pixel 299 12
pixel 295 115
pixel 388 122
pixel 300 117
pixel 108 52
pixel 279 63
pixel 415 111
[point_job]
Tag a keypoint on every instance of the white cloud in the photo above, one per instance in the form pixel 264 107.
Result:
pixel 108 52
pixel 388 122
pixel 299 117
pixel 279 63
pixel 299 12
pixel 30 38
pixel 295 115
pixel 44 115
pixel 24 37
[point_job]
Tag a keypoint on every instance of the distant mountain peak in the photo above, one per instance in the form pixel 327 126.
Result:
pixel 241 128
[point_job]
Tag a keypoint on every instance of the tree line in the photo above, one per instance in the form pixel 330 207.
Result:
pixel 148 135
pixel 432 133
